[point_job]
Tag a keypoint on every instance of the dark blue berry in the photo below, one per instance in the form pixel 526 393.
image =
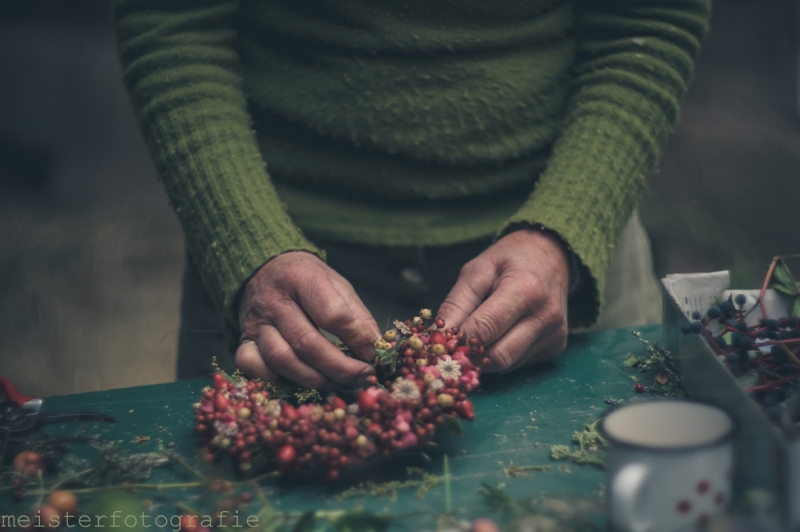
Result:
pixel 787 369
pixel 772 335
pixel 735 337
pixel 770 324
pixel 686 329
pixel 746 342
pixel 696 327
pixel 741 326
pixel 732 358
pixel 720 341
pixel 784 335
pixel 696 315
pixel 743 356
pixel 714 312
pixel 762 334
pixel 740 299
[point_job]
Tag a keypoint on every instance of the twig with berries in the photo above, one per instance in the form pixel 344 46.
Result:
pixel 765 354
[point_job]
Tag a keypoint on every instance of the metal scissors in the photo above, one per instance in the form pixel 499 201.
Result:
pixel 21 414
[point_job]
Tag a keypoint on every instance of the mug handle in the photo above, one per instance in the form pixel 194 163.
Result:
pixel 626 492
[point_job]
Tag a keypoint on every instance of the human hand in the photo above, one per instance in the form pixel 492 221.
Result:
pixel 280 310
pixel 513 299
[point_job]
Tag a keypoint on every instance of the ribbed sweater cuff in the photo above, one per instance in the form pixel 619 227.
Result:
pixel 598 169
pixel 231 215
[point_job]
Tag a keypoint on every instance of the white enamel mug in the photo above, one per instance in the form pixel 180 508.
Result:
pixel 669 465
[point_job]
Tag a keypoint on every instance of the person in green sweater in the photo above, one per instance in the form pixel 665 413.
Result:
pixel 492 153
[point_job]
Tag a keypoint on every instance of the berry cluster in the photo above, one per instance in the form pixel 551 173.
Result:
pixel 768 349
pixel 426 371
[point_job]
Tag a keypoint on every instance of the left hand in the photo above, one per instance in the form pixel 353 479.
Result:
pixel 513 299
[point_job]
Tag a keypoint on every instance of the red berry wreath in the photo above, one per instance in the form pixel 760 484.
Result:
pixel 427 375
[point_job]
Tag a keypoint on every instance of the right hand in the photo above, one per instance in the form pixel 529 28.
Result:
pixel 282 307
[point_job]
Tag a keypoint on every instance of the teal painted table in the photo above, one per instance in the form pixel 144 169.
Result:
pixel 518 417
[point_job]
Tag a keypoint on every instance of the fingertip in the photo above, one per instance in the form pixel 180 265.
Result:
pixel 249 360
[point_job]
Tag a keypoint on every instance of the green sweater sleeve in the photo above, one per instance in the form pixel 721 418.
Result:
pixel 635 60
pixel 183 74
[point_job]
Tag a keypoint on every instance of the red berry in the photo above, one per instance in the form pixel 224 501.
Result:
pixel 28 463
pixel 473 341
pixel 64 501
pixel 221 403
pixel 220 382
pixel 638 388
pixel 438 338
pixel 189 522
pixel 366 402
pixel 467 410
pixel 287 455
pixel 439 322
pixel 46 517
pixel 462 349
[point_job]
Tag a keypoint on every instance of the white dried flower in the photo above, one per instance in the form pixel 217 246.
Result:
pixel 405 389
pixel 448 367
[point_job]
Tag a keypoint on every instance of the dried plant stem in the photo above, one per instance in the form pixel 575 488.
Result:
pixel 771 270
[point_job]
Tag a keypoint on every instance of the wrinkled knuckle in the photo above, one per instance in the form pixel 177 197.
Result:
pixel 305 342
pixel 281 357
pixel 530 288
pixel 484 329
pixel 501 358
pixel 338 316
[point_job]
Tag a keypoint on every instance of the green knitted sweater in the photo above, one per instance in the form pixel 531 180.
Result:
pixel 403 122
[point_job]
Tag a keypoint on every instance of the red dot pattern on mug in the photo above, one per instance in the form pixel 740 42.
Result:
pixel 719 499
pixel 684 506
pixel 702 487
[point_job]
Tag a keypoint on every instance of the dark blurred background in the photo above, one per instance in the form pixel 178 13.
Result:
pixel 91 255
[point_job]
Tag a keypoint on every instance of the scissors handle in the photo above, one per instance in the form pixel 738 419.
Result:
pixel 12 394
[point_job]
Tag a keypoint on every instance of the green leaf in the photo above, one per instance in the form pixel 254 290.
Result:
pixel 782 280
pixel 388 357
pixel 305 523
pixel 362 522
pixel 794 308
pixel 631 361
pixel 450 425
pixel 227 377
